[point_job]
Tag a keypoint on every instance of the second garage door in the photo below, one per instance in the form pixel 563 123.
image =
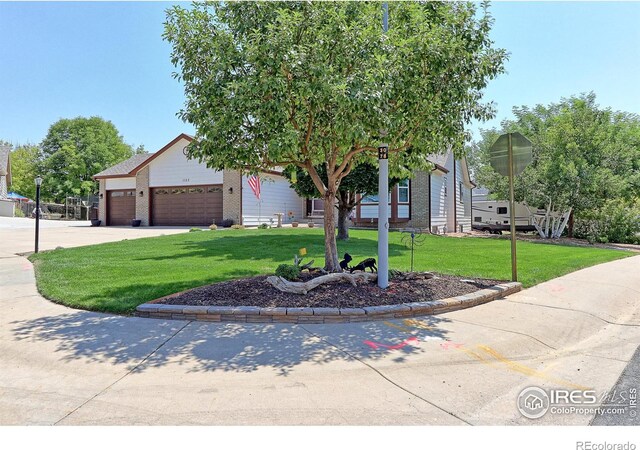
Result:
pixel 187 205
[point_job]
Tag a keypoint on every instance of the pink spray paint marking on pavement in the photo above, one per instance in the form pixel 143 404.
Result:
pixel 556 288
pixel 26 266
pixel 448 345
pixel 377 345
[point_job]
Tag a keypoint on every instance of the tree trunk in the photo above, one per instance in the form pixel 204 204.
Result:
pixel 332 263
pixel 570 229
pixel 344 210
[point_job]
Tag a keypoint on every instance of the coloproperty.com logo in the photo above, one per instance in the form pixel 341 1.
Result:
pixel 534 402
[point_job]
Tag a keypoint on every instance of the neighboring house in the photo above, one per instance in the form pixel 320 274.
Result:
pixel 439 201
pixel 6 205
pixel 166 189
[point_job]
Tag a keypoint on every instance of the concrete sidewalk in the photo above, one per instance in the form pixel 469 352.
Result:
pixel 63 366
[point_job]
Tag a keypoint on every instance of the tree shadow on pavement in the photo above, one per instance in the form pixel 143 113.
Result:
pixel 142 344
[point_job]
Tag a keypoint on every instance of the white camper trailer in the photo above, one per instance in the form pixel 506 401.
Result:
pixel 493 216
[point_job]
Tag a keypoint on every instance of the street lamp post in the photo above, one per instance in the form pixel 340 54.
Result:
pixel 38 183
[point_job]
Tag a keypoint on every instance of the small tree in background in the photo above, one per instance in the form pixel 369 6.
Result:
pixel 25 164
pixel 363 180
pixel 76 149
pixel 583 156
pixel 311 84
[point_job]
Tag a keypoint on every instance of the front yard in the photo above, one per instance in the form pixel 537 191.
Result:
pixel 117 277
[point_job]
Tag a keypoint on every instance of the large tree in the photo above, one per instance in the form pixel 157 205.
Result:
pixel 76 149
pixel 273 84
pixel 583 155
pixel 361 181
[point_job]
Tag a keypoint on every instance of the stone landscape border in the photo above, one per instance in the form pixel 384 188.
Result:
pixel 254 314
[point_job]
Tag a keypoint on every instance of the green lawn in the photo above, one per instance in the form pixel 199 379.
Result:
pixel 116 277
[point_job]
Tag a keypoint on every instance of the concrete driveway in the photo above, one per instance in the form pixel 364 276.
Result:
pixel 64 366
pixel 17 235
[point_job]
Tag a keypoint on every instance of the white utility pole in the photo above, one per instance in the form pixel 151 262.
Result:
pixel 383 193
pixel 383 217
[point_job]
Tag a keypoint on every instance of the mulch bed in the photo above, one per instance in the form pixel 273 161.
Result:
pixel 255 291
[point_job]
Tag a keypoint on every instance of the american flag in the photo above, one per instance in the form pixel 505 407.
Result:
pixel 254 184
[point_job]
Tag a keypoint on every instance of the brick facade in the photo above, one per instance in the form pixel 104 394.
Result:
pixel 102 202
pixel 232 200
pixel 142 202
pixel 420 201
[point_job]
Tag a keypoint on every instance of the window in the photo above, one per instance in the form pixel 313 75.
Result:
pixel 317 206
pixel 477 219
pixel 373 198
pixel 130 194
pixel 502 209
pixel 161 191
pixel 444 183
pixel 461 191
pixel 178 191
pixel 211 189
pixel 197 190
pixel 117 194
pixel 403 191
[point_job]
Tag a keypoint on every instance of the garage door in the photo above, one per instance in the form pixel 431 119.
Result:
pixel 122 207
pixel 187 205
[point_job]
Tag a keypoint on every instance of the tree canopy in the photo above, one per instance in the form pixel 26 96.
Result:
pixel 273 84
pixel 24 169
pixel 76 149
pixel 363 179
pixel 583 156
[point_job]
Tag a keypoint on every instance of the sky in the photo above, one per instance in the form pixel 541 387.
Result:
pixel 64 60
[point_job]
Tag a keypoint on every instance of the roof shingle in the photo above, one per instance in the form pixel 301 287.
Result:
pixel 125 167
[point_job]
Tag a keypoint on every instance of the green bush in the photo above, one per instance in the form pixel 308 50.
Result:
pixel 263 226
pixel 617 221
pixel 288 271
pixel 18 212
pixel 237 227
pixel 194 229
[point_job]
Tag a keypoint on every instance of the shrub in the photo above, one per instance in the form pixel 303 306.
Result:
pixel 263 226
pixel 227 223
pixel 237 227
pixel 18 212
pixel 617 221
pixel 288 272
pixel 213 226
pixel 194 229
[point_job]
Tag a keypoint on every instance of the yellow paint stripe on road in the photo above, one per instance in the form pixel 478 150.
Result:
pixel 417 324
pixel 398 327
pixel 520 368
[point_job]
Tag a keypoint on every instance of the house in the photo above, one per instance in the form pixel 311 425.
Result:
pixel 6 205
pixel 439 201
pixel 168 189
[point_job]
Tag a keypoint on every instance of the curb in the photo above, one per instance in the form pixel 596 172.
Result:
pixel 254 314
